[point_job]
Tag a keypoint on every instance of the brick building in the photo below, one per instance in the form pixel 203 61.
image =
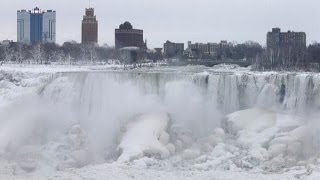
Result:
pixel 276 39
pixel 89 28
pixel 172 49
pixel 126 36
pixel 286 47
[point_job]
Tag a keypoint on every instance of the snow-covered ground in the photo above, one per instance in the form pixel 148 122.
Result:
pixel 43 136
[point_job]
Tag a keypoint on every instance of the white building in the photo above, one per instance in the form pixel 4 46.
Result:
pixel 23 26
pixel 49 27
pixel 36 26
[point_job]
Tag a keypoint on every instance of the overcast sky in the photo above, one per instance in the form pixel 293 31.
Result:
pixel 175 20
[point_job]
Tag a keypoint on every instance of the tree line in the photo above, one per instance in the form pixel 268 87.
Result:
pixel 72 52
pixel 69 52
pixel 289 58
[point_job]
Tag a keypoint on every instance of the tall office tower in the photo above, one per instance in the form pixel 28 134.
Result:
pixel 89 27
pixel 23 27
pixel 36 26
pixel 49 27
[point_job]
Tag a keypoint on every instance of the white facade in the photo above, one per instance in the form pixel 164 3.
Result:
pixel 24 22
pixel 49 27
pixel 23 27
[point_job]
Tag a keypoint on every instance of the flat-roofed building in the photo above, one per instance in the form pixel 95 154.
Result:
pixel 172 49
pixel 286 48
pixel 126 36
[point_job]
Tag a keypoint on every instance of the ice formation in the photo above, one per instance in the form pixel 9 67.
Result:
pixel 203 119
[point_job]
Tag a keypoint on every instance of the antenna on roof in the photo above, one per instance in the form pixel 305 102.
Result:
pixel 89 3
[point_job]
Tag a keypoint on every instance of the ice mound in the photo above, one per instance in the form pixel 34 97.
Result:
pixel 75 152
pixel 254 120
pixel 267 135
pixel 146 135
pixel 62 151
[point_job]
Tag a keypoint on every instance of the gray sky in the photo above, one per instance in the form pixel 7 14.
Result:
pixel 175 20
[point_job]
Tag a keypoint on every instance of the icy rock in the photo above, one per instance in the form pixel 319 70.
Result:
pixel 302 163
pixel 231 148
pixel 142 137
pixel 65 165
pixel 219 150
pixel 288 123
pixel 258 154
pixel 28 165
pixel 244 164
pixel 81 157
pixel 186 140
pixel 75 129
pixel 282 140
pixel 234 168
pixel 177 131
pixel 206 147
pixel 277 149
pixel 179 145
pixel 277 163
pixel 189 154
pixel 77 137
pixel 299 133
pixel 218 132
pixel 213 140
pixel 145 162
pixel 164 138
pixel 201 159
pixel 251 119
pixel 294 149
pixel 171 148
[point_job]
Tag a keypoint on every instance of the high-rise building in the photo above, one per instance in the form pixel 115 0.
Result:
pixel 89 27
pixel 23 27
pixel 36 26
pixel 49 27
pixel 126 36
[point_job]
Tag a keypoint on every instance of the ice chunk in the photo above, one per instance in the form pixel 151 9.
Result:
pixel 277 149
pixel 251 119
pixel 143 137
pixel 190 154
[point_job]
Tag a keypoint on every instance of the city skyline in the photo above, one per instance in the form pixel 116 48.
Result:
pixel 188 21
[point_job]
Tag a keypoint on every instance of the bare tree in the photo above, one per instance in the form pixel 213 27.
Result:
pixel 37 54
pixel 21 52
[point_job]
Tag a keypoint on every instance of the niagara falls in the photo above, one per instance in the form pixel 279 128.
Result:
pixel 196 120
